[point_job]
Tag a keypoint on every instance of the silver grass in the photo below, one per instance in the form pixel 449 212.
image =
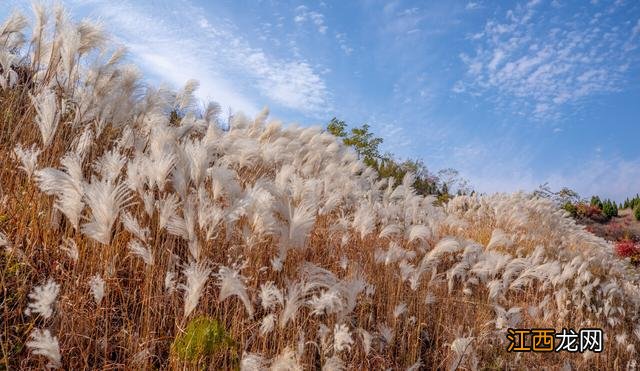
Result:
pixel 11 30
pixel 196 275
pixel 364 220
pixel 270 296
pixel 167 207
pixel 105 199
pixel 286 361
pixel 463 351
pixel 131 224
pixel 342 340
pixel 418 232
pixel 97 286
pixel 386 333
pixel 399 310
pixel 109 165
pixel 300 221
pixel 84 143
pixel 334 364
pixel 267 325
pixel 170 281
pixel 91 36
pixel 184 98
pixel 70 247
pixel 42 298
pixel 393 254
pixel 252 362
pixel 67 185
pixel 295 298
pixel 9 77
pixel 28 158
pixel 366 340
pixel 416 366
pixel 329 301
pixel 42 343
pixel 231 283
pixel 47 115
pixel 142 251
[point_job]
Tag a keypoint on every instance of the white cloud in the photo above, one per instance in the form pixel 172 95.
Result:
pixel 472 5
pixel 342 41
pixel 535 63
pixel 303 14
pixel 230 69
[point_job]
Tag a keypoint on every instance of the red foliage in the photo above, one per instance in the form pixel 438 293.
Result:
pixel 626 248
pixel 588 211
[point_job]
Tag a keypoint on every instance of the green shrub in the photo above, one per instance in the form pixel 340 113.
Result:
pixel 571 209
pixel 203 338
pixel 636 212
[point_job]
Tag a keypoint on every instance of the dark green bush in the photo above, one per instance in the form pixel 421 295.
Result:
pixel 609 209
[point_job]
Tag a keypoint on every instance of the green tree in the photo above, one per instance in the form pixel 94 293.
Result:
pixel 360 139
pixel 595 201
pixel 609 209
pixel 366 145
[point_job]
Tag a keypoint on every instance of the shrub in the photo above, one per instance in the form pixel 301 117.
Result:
pixel 626 248
pixel 203 338
pixel 571 209
pixel 588 211
pixel 636 212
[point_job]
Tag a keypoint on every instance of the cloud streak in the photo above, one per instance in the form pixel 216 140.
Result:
pixel 228 66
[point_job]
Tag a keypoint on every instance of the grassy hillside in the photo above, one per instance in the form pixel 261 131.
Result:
pixel 133 240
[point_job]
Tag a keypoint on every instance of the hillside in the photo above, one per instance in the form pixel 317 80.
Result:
pixel 135 241
pixel 623 226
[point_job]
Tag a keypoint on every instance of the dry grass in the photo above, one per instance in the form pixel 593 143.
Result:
pixel 566 274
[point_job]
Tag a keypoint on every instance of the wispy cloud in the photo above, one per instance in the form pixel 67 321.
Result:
pixel 473 5
pixel 213 51
pixel 536 64
pixel 303 15
pixel 341 38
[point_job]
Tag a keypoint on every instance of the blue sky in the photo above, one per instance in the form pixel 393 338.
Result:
pixel 512 94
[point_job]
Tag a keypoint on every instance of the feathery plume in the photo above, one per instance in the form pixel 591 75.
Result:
pixel 270 295
pixel 463 351
pixel 342 339
pixel 268 324
pixel 141 251
pixel 252 362
pixel 67 185
pixel 105 199
pixel 70 247
pixel 334 364
pixel 97 285
pixel 131 224
pixel 170 281
pixel 28 158
pixel 47 115
pixel 43 297
pixel 196 275
pixel 231 283
pixel 286 361
pixel 42 343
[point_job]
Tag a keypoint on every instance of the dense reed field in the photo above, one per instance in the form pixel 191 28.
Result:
pixel 137 238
